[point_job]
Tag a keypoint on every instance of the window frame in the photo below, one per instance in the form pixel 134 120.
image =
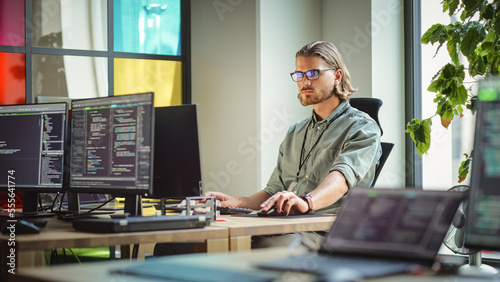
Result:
pixel 413 89
pixel 29 50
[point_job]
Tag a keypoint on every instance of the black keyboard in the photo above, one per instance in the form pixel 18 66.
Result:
pixel 233 210
pixel 222 210
pixel 139 223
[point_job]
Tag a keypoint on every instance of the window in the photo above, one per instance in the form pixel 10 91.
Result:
pixel 94 48
pixel 438 169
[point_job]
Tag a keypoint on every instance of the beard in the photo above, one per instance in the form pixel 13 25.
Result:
pixel 317 97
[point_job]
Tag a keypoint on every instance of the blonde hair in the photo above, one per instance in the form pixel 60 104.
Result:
pixel 328 52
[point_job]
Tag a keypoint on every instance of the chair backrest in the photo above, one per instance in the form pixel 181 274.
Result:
pixel 371 106
pixel 386 150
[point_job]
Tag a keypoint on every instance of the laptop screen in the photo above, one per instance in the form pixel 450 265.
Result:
pixel 483 211
pixel 393 222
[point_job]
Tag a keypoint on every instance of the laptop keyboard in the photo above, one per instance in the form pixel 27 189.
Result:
pixel 170 271
pixel 326 264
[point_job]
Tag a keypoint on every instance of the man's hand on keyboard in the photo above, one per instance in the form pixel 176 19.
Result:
pixel 224 199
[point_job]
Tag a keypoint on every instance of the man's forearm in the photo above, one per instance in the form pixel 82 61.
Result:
pixel 330 190
pixel 253 201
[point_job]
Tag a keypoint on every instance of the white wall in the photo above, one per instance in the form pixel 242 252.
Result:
pixel 347 25
pixel 242 54
pixel 224 81
pixel 372 46
pixel 388 84
pixel 282 34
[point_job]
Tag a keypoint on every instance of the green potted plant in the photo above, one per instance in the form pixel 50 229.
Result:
pixel 475 35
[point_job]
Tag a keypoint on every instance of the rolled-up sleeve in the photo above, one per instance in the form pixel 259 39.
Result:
pixel 359 153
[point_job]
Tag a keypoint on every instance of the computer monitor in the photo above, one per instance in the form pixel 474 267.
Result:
pixel 483 212
pixel 111 147
pixel 71 200
pixel 177 168
pixel 53 99
pixel 32 145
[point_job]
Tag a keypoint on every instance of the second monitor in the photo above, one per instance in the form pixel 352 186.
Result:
pixel 177 169
pixel 111 146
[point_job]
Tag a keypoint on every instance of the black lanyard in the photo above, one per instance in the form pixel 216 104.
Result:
pixel 302 161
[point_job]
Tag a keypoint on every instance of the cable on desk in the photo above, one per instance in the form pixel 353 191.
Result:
pixel 54 257
pixel 76 257
pixel 54 202
pixel 135 251
pixel 64 253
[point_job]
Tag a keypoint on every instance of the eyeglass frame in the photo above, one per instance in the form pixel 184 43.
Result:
pixel 304 74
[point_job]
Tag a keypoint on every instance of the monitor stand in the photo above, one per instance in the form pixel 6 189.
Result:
pixel 74 207
pixel 30 208
pixel 133 205
pixel 73 202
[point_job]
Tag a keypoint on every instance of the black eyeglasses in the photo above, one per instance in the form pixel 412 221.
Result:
pixel 298 76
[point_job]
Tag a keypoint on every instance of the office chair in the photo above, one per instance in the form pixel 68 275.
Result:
pixel 371 106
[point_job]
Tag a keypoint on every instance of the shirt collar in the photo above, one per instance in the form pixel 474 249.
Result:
pixel 338 110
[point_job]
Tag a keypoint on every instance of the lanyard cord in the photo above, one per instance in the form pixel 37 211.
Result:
pixel 302 162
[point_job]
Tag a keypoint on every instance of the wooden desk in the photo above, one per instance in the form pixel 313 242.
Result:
pixel 221 236
pixel 241 229
pixel 240 261
pixel 58 234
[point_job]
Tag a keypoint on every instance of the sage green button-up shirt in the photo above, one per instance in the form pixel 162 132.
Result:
pixel 347 141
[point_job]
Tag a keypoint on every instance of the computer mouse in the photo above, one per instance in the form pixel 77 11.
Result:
pixel 20 227
pixel 271 212
pixel 38 222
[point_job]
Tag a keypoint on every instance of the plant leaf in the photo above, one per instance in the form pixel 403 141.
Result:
pixel 436 85
pixel 474 35
pixel 445 123
pixel 448 115
pixel 452 6
pixel 487 12
pixel 458 95
pixel 436 33
pixel 472 105
pixel 420 132
pixel 471 7
pixel 463 170
pixel 453 51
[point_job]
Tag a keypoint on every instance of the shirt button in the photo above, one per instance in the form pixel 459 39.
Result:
pixel 307 176
pixel 319 127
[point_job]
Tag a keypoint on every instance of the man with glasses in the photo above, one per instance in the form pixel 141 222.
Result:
pixel 321 157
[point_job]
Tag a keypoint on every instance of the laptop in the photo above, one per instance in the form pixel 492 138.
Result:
pixel 380 232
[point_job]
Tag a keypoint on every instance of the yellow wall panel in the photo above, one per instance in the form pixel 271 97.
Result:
pixel 164 78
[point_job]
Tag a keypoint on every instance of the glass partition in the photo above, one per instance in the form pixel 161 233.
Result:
pixel 164 78
pixel 12 23
pixel 147 26
pixel 69 76
pixel 70 24
pixel 67 53
pixel 12 84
